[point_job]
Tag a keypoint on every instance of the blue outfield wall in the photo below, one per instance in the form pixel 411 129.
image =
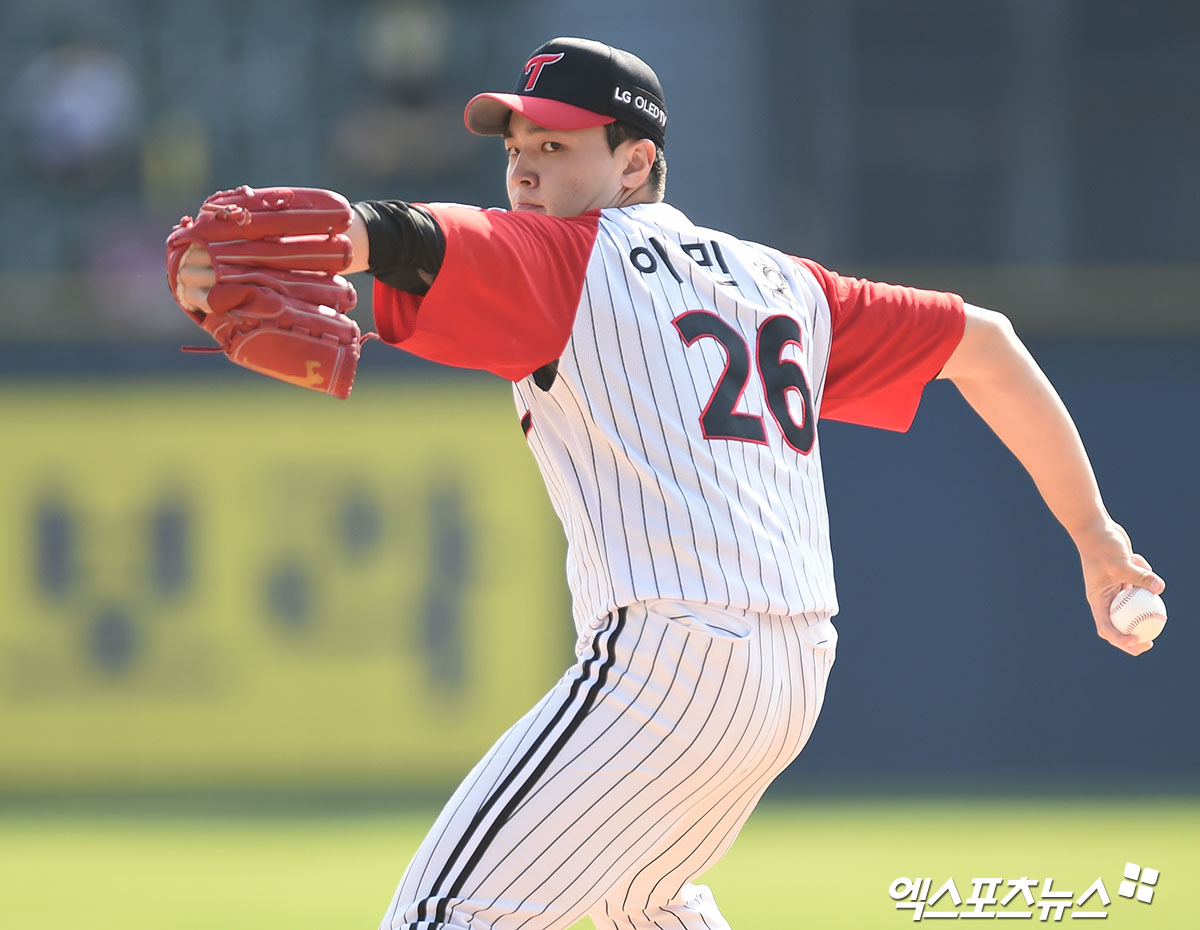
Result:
pixel 967 654
pixel 966 648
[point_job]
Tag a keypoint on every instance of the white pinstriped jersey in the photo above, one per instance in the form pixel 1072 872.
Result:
pixel 651 507
pixel 670 379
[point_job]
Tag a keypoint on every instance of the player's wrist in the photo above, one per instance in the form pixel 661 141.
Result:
pixel 360 242
pixel 1103 547
pixel 1097 530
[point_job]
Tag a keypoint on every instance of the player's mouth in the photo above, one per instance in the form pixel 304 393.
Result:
pixel 529 206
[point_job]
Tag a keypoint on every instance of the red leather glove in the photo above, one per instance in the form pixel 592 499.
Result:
pixel 279 305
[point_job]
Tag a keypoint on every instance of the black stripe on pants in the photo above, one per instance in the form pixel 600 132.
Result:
pixel 443 899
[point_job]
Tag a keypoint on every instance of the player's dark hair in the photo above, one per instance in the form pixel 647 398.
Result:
pixel 621 131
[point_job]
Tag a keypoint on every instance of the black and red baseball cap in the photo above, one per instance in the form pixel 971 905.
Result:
pixel 577 84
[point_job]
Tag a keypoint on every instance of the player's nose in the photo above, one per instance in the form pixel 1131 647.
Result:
pixel 521 173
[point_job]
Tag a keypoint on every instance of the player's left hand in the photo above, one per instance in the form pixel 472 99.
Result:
pixel 194 278
pixel 1110 565
pixel 259 271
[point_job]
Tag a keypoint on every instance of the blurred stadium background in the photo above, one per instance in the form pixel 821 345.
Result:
pixel 226 598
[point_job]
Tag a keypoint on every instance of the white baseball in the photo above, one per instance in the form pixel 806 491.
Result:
pixel 1138 612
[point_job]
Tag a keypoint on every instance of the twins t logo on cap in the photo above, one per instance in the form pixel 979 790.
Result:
pixel 535 65
pixel 590 84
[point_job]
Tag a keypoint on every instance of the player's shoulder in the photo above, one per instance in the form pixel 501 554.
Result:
pixel 672 220
pixel 504 213
pixel 661 219
pixel 453 205
pixel 659 214
pixel 660 232
pixel 457 219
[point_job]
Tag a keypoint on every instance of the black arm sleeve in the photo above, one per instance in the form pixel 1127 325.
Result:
pixel 407 245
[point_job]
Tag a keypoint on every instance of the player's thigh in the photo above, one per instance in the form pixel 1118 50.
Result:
pixel 657 891
pixel 591 779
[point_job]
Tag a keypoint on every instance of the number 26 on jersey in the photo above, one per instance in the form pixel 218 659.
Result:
pixel 721 418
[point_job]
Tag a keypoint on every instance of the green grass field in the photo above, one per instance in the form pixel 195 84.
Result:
pixel 796 865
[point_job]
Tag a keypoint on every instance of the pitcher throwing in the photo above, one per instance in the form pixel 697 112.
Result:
pixel 670 381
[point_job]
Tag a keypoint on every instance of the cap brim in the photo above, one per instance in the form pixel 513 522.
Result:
pixel 487 114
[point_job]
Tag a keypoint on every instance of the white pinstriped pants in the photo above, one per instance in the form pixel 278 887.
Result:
pixel 631 777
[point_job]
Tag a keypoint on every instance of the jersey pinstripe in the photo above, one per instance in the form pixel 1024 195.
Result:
pixel 650 506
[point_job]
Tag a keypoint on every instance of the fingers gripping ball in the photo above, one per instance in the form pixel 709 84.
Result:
pixel 279 305
pixel 1139 613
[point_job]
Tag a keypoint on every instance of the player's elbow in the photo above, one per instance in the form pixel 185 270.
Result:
pixel 988 339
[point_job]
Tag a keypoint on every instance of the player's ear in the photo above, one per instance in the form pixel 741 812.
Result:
pixel 639 159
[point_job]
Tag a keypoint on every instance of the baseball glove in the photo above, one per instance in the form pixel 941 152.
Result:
pixel 279 305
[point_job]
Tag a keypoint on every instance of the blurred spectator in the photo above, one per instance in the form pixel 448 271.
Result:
pixel 77 112
pixel 408 122
pixel 404 43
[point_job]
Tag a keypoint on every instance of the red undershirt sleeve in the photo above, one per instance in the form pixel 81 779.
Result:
pixel 888 342
pixel 505 297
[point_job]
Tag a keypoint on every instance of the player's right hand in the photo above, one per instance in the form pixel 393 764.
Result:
pixel 1109 566
pixel 195 279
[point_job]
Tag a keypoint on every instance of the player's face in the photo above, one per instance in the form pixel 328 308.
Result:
pixel 565 172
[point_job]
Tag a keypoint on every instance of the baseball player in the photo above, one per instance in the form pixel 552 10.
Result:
pixel 670 381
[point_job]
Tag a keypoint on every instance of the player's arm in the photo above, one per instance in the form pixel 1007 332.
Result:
pixel 1003 384
pixel 395 241
pixel 491 290
pixel 399 243
pixel 505 290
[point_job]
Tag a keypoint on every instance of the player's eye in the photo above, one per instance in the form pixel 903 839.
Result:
pixel 552 146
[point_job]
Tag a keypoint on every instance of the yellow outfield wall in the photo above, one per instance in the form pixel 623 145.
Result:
pixel 214 586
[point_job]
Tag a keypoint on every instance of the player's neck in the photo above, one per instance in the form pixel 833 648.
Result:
pixel 644 194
